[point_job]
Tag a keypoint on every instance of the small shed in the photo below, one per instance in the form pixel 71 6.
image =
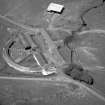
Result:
pixel 57 8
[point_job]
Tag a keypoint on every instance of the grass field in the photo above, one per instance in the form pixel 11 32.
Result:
pixel 17 88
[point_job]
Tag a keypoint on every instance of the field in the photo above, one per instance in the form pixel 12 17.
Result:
pixel 17 88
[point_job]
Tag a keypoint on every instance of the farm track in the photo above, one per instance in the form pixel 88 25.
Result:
pixel 58 81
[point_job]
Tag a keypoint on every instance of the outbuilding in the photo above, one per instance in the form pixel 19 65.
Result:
pixel 57 8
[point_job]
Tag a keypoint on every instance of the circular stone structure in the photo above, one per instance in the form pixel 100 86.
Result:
pixel 15 57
